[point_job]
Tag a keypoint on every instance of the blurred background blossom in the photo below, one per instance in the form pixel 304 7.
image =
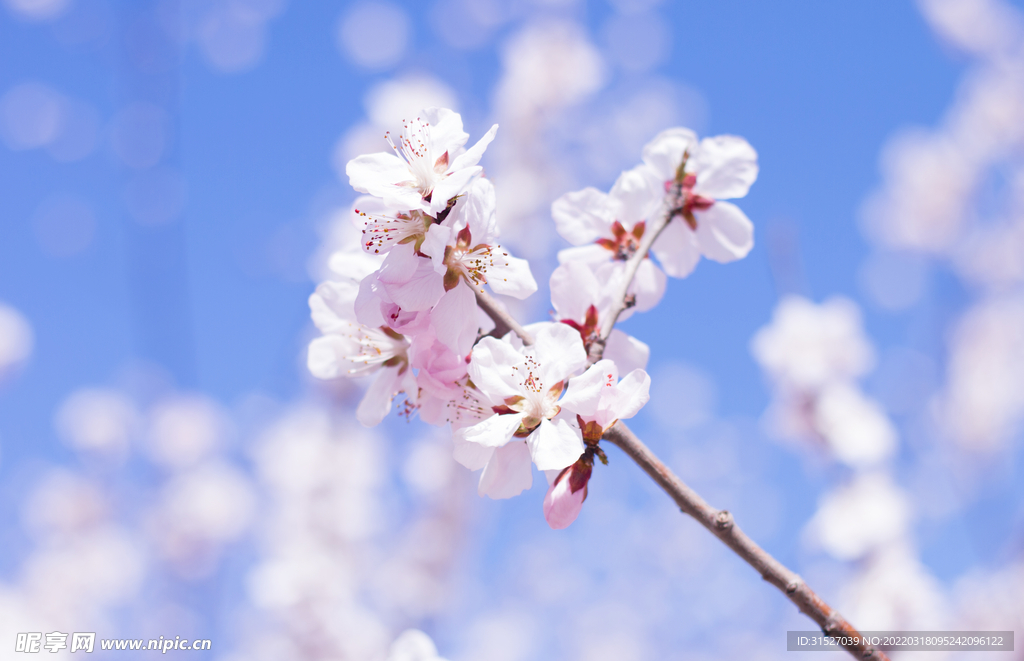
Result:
pixel 173 188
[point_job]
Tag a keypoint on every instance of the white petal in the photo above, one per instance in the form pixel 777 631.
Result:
pixel 446 132
pixel 724 232
pixel 368 301
pixel 676 249
pixel 583 216
pixel 490 368
pixel 450 186
pixel 479 211
pixel 555 444
pixel 648 286
pixel 324 357
pixel 584 392
pixel 434 244
pixel 331 306
pixel 628 352
pixel 377 173
pixel 590 253
pixel 560 353
pixel 472 156
pixel 573 289
pixel 636 195
pixel 454 319
pixel 627 398
pixel 510 276
pixel 726 166
pixel 665 153
pixel 508 473
pixel 473 456
pixel 492 432
pixel 352 265
pixel 376 402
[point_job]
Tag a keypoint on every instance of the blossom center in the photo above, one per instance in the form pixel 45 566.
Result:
pixel 623 244
pixel 414 148
pixel 381 233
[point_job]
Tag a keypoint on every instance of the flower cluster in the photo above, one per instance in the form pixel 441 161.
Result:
pixel 405 306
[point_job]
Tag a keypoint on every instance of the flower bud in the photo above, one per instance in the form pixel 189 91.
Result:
pixel 565 496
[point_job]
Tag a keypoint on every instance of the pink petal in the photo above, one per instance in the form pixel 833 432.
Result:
pixel 561 505
pixel 454 319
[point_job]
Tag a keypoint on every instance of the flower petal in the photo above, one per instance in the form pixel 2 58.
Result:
pixel 559 352
pixel 561 505
pixel 648 286
pixel 636 195
pixel 627 398
pixel 628 352
pixel 490 368
pixel 450 186
pixel 676 249
pixel 386 176
pixel 584 392
pixel 583 216
pixel 665 153
pixel 411 281
pixel 473 456
pixel 492 432
pixel 454 319
pixel 555 444
pixel 510 276
pixel 376 403
pixel 724 232
pixel 726 166
pixel 508 473
pixel 472 156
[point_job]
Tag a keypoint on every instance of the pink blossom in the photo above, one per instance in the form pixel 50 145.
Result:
pixel 565 496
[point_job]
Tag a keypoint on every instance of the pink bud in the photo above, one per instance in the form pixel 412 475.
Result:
pixel 565 496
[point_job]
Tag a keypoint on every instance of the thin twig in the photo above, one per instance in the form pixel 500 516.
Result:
pixel 720 523
pixel 596 350
pixel 503 321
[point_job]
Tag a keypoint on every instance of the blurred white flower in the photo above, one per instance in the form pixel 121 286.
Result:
pixel 808 346
pixel 855 427
pixel 983 400
pixel 184 429
pixel 860 517
pixel 895 592
pixel 16 340
pixel 95 419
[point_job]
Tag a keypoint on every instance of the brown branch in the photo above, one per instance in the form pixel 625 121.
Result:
pixel 503 321
pixel 720 523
